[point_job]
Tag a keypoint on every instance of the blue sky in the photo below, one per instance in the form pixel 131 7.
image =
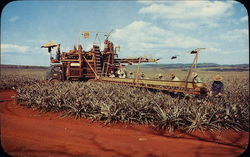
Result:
pixel 158 29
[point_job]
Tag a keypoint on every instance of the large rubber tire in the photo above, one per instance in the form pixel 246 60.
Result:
pixel 54 80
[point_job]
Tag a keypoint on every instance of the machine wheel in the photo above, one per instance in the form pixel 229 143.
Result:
pixel 54 80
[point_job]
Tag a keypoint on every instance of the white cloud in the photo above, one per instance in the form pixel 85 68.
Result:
pixel 36 41
pixel 215 50
pixel 188 9
pixel 147 2
pixel 14 18
pixel 244 19
pixel 223 51
pixel 12 48
pixel 191 25
pixel 235 35
pixel 148 38
pixel 188 14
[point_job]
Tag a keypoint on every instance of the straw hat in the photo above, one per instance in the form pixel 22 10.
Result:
pixel 172 75
pixel 217 78
pixel 194 74
pixel 49 44
pixel 160 75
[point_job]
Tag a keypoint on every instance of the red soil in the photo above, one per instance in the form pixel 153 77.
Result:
pixel 25 132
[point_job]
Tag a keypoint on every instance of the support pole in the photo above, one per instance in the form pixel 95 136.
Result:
pixel 107 69
pixel 190 70
pixel 138 69
pixel 96 76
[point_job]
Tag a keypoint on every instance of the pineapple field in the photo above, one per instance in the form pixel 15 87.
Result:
pixel 111 103
pixel 39 118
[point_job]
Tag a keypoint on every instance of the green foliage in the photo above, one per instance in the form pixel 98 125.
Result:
pixel 13 78
pixel 113 103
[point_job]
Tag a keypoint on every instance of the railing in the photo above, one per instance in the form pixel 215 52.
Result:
pixel 171 86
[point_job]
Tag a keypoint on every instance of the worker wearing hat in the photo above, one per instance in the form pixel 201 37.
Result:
pixel 196 78
pixel 121 72
pixel 142 75
pixel 131 75
pixel 217 86
pixel 112 74
pixel 174 78
pixel 160 76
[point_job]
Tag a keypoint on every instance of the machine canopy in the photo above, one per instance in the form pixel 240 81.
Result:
pixel 49 44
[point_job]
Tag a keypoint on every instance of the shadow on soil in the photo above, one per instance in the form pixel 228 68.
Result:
pixel 211 137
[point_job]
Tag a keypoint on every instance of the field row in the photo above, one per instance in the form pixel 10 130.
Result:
pixel 114 103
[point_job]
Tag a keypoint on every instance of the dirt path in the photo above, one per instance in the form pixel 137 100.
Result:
pixel 25 132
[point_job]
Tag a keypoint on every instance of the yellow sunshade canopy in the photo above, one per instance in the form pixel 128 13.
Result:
pixel 49 44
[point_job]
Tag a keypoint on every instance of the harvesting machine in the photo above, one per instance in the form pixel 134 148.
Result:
pixel 105 66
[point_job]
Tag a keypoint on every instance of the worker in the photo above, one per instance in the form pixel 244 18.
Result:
pixel 217 86
pixel 112 75
pixel 58 53
pixel 70 52
pixel 142 75
pixel 196 78
pixel 121 73
pixel 111 47
pixel 118 73
pixel 174 78
pixel 160 76
pixel 80 48
pixel 106 42
pixel 131 75
pixel 124 72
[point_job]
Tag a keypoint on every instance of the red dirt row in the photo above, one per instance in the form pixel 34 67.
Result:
pixel 25 132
